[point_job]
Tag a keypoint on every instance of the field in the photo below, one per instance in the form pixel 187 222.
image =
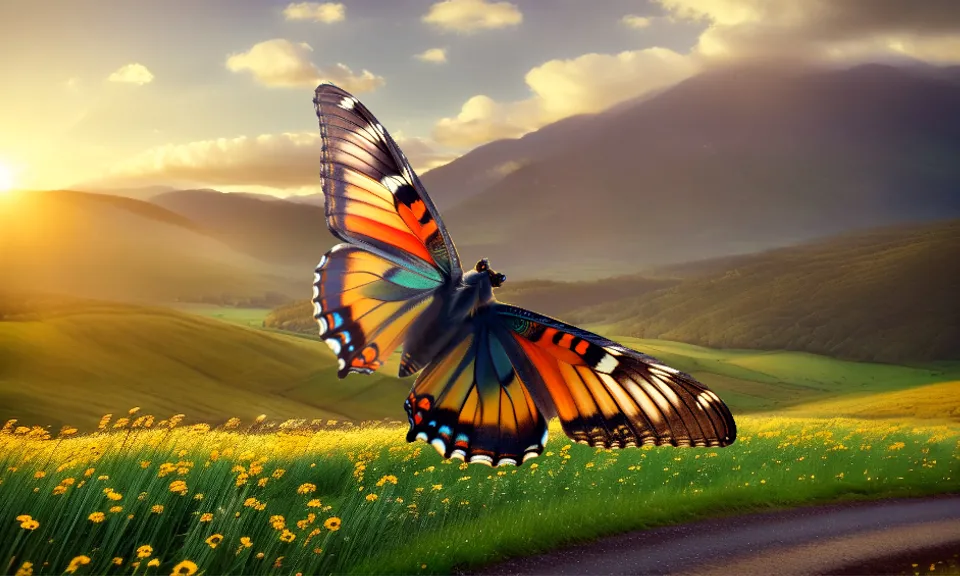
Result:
pixel 318 498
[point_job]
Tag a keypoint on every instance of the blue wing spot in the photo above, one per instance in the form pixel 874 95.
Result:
pixel 462 437
pixel 445 430
pixel 337 320
pixel 346 337
pixel 433 423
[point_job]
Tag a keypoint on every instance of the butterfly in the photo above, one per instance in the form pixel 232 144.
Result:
pixel 491 375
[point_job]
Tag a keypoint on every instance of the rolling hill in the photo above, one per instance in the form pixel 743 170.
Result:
pixel 887 295
pixel 69 361
pixel 105 246
pixel 728 162
pixel 270 229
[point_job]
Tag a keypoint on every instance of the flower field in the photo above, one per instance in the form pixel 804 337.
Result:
pixel 139 497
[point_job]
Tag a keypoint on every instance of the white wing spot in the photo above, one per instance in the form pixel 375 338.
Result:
pixel 392 183
pixel 341 364
pixel 334 344
pixel 607 364
pixel 348 102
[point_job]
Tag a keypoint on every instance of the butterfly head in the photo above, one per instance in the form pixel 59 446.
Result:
pixel 496 279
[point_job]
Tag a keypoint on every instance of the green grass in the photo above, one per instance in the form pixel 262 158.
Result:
pixel 436 515
pixel 74 363
pixel 253 317
pixel 930 402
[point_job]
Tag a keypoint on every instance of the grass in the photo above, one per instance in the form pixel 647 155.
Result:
pixel 76 363
pixel 317 499
pixel 930 402
pixel 252 317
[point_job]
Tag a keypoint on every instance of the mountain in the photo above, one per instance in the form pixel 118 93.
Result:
pixel 104 246
pixel 135 192
pixel 69 361
pixel 731 161
pixel 271 229
pixel 886 295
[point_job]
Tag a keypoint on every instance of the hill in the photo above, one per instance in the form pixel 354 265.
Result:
pixel 105 246
pixel 933 401
pixel 69 361
pixel 728 162
pixel 887 295
pixel 270 229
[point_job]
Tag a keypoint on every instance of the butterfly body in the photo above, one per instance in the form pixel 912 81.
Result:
pixel 490 374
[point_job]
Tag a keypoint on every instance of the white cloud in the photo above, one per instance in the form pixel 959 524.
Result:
pixel 823 30
pixel 561 88
pixel 433 55
pixel 327 12
pixel 132 74
pixel 634 21
pixel 282 63
pixel 287 161
pixel 472 15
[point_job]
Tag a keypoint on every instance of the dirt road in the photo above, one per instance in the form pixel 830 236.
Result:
pixel 815 540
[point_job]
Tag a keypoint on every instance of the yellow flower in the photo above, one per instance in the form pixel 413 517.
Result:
pixel 116 509
pixel 30 524
pixel 115 496
pixel 58 490
pixel 388 478
pixel 39 474
pixel 185 568
pixel 287 536
pixel 76 563
pixel 26 569
pixel 96 517
pixel 371 497
pixel 278 473
pixel 178 486
pixel 213 540
pixel 88 473
pixel 262 482
pixel 315 503
pixel 437 487
pixel 306 489
pixel 246 541
pixel 154 563
pixel 206 517
pixel 157 509
pixel 117 561
pixel 332 524
pixel 260 555
pixel 145 551
pixel 278 522
pixel 68 481
pixel 133 410
pixel 24 517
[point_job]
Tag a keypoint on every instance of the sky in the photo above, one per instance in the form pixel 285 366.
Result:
pixel 217 93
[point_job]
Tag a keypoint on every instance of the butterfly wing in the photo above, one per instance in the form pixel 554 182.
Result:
pixel 608 395
pixel 472 404
pixel 365 303
pixel 373 197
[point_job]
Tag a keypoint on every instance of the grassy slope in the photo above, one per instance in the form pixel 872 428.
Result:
pixel 931 402
pixel 82 361
pixel 119 248
pixel 886 295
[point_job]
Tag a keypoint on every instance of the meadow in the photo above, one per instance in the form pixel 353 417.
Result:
pixel 141 496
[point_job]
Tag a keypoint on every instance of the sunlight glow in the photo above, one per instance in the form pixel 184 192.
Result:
pixel 6 178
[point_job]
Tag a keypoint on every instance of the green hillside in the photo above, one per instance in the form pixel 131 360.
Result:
pixel 71 361
pixel 933 401
pixel 886 295
pixel 115 248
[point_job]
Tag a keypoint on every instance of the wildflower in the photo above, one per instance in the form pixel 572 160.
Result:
pixel 315 503
pixel 96 517
pixel 157 509
pixel 58 490
pixel 213 540
pixel 198 496
pixel 178 486
pixel 145 551
pixel 277 522
pixel 185 568
pixel 88 473
pixel 144 464
pixel 30 524
pixel 155 562
pixel 246 542
pixel 278 473
pixel 371 497
pixel 388 478
pixel 115 496
pixel 68 481
pixel 306 489
pixel 287 536
pixel 206 517
pixel 39 474
pixel 118 561
pixel 77 563
pixel 262 482
pixel 116 509
pixel 278 562
pixel 332 524
pixel 437 487
pixel 133 410
pixel 260 555
pixel 26 569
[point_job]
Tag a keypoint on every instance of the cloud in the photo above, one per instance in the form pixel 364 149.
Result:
pixel 285 161
pixel 434 55
pixel 634 21
pixel 282 63
pixel 823 30
pixel 561 88
pixel 72 84
pixel 132 74
pixel 468 16
pixel 327 12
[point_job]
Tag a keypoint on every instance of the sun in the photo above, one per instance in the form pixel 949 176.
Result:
pixel 6 178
